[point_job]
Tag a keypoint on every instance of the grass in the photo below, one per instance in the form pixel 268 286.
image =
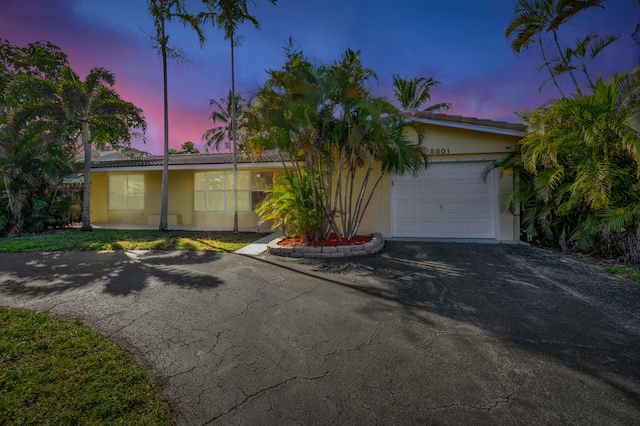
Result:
pixel 631 272
pixel 57 372
pixel 111 239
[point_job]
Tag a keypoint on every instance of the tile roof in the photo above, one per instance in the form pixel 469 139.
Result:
pixel 186 160
pixel 468 120
pixel 273 156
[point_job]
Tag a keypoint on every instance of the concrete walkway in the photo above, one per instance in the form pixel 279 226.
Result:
pixel 260 246
pixel 420 333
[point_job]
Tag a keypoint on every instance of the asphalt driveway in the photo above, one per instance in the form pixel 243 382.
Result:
pixel 438 333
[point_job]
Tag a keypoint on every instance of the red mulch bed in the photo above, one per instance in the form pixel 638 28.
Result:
pixel 332 241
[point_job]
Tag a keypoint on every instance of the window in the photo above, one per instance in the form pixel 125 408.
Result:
pixel 126 192
pixel 260 181
pixel 214 189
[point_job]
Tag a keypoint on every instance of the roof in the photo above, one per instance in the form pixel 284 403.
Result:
pixel 155 161
pixel 471 123
pixel 102 156
pixel 110 156
pixel 191 161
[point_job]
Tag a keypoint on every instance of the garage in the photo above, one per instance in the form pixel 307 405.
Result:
pixel 448 200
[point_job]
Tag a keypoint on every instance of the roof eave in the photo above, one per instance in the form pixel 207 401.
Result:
pixel 248 166
pixel 469 126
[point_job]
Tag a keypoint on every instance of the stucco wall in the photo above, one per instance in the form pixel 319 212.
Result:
pixel 99 199
pixel 444 143
pixel 451 144
pixel 181 195
pixel 181 202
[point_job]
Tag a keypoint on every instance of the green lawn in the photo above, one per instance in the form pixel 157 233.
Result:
pixel 56 372
pixel 109 239
pixel 61 373
pixel 631 272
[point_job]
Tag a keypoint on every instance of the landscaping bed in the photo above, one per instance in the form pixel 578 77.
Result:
pixel 288 247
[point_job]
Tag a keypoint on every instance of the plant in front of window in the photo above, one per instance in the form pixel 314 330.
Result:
pixel 290 207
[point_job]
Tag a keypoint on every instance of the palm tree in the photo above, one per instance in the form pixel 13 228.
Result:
pixel 413 93
pixel 102 117
pixel 222 113
pixel 69 107
pixel 349 139
pixel 534 18
pixel 36 145
pixel 32 191
pixel 584 155
pixel 227 15
pixel 589 46
pixel 163 12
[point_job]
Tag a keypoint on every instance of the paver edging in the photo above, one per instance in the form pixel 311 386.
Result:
pixel 375 245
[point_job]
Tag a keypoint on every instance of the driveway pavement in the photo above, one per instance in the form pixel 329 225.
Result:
pixel 438 333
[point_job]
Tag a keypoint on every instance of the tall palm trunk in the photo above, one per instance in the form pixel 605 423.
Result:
pixel 233 140
pixel 566 64
pixel 86 190
pixel 551 73
pixel 165 164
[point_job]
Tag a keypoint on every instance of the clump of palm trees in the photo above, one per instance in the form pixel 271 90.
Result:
pixel 579 161
pixel 348 138
pixel 47 114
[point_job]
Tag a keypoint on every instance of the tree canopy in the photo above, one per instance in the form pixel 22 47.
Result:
pixel 578 180
pixel 340 137
pixel 48 115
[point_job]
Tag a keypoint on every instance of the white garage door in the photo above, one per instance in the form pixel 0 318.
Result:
pixel 448 200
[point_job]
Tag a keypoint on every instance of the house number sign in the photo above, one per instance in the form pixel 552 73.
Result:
pixel 439 151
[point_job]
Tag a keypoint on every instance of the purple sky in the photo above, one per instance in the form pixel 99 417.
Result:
pixel 461 43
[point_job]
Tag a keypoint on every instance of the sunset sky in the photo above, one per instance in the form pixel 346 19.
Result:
pixel 461 43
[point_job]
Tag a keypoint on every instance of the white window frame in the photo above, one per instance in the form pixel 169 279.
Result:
pixel 227 190
pixel 128 192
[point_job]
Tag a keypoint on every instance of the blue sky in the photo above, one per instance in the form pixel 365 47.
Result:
pixel 461 43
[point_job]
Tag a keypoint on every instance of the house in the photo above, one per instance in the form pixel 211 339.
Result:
pixel 128 191
pixel 450 199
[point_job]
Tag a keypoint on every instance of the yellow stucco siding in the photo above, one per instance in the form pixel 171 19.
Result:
pixel 180 207
pixel 444 143
pixel 224 220
pixel 153 193
pixel 181 199
pixel 509 223
pixel 374 216
pixel 99 197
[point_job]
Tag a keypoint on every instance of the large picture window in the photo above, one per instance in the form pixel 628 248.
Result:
pixel 214 189
pixel 126 192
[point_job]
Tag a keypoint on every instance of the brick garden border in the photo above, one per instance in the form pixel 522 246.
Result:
pixel 370 247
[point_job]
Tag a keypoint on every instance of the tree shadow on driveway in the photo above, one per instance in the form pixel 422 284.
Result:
pixel 528 298
pixel 122 273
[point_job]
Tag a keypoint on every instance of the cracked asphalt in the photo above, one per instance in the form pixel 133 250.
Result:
pixel 438 333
